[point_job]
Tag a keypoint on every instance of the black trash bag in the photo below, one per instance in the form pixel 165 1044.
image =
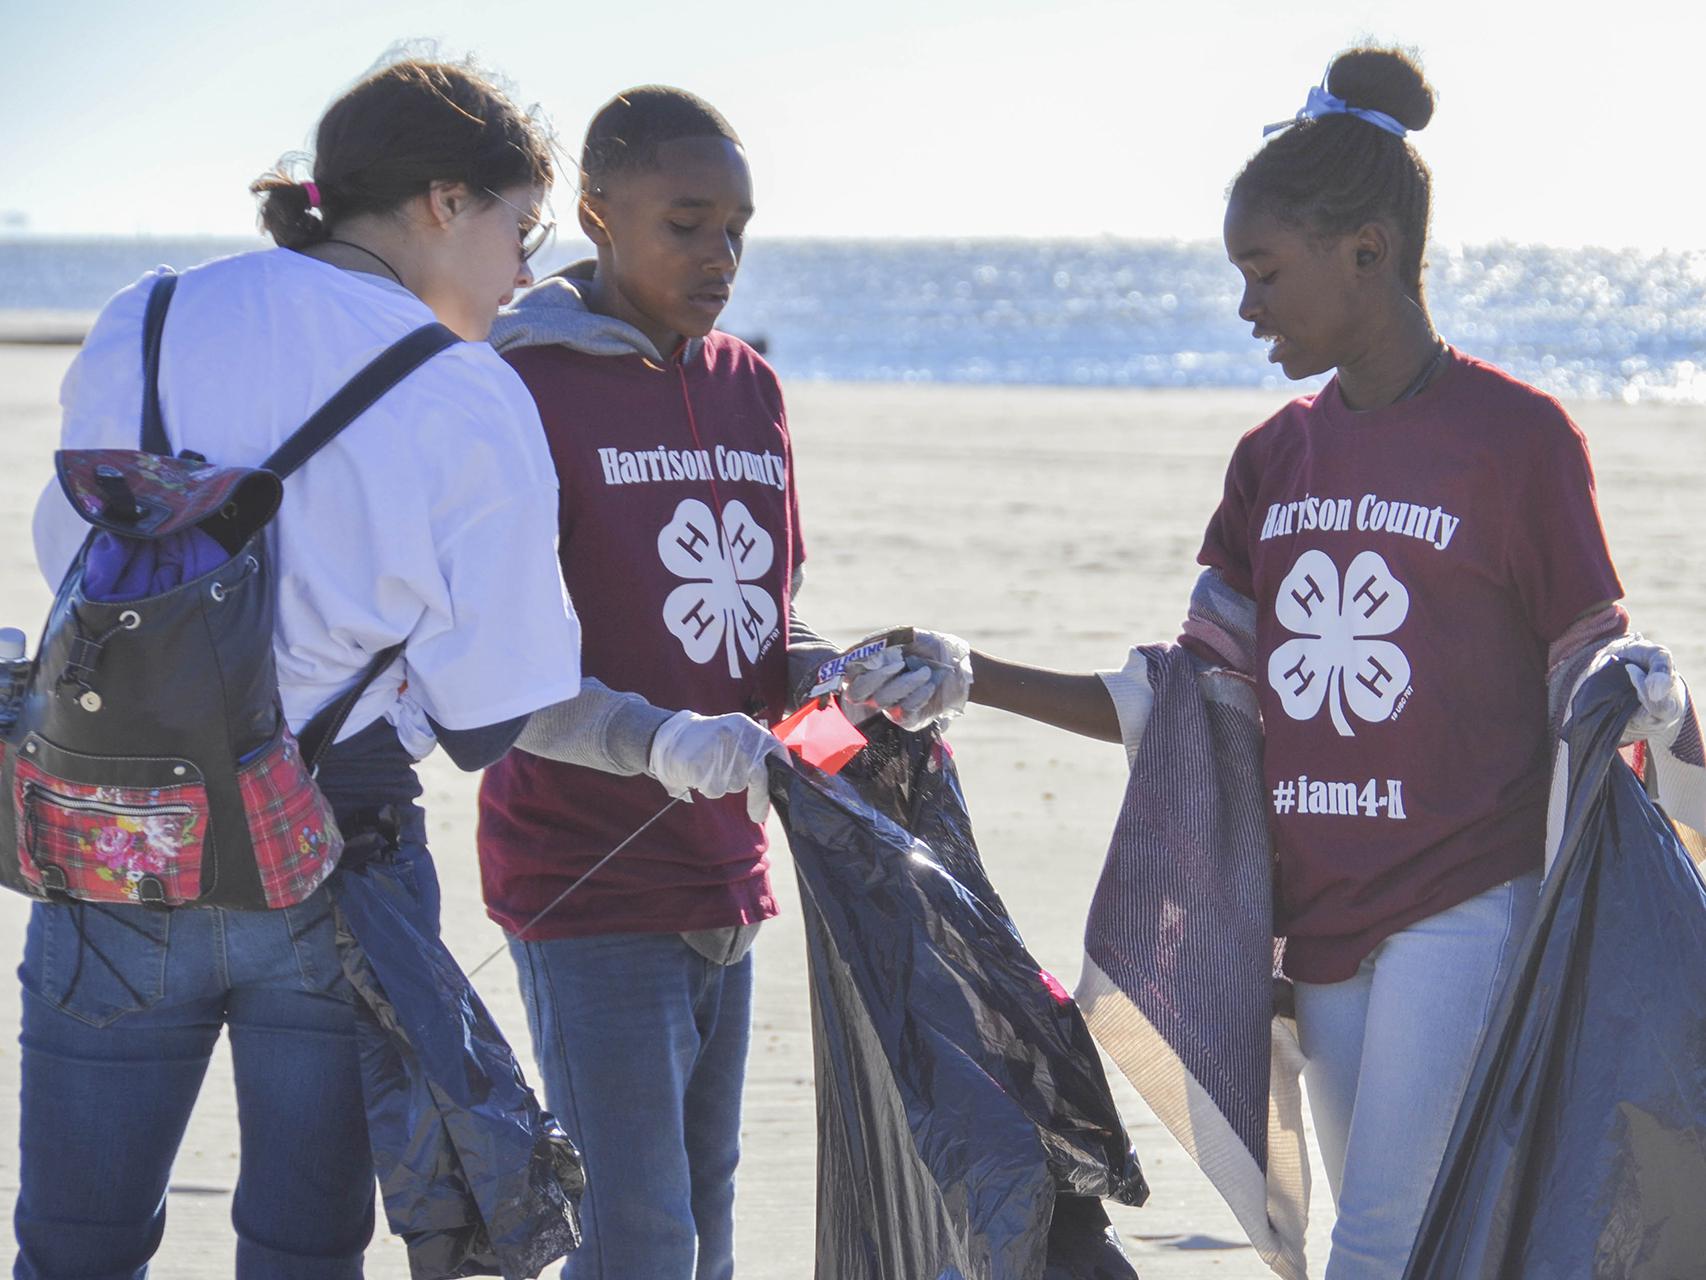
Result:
pixel 965 1126
pixel 1580 1148
pixel 1082 1243
pixel 476 1177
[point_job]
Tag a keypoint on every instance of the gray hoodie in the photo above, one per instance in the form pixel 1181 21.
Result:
pixel 554 313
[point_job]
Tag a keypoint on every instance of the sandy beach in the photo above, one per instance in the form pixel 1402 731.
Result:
pixel 1053 526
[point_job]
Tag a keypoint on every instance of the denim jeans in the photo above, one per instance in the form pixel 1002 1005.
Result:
pixel 642 1045
pixel 1389 1054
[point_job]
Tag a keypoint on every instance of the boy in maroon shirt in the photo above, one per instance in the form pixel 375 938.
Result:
pixel 680 544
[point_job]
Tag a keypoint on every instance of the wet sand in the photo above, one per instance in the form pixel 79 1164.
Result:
pixel 1052 526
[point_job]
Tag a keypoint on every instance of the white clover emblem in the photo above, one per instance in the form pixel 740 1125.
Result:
pixel 719 607
pixel 1336 658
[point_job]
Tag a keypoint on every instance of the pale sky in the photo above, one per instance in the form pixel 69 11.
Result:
pixel 1562 123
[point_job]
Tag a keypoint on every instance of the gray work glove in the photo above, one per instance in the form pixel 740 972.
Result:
pixel 922 682
pixel 715 756
pixel 1664 696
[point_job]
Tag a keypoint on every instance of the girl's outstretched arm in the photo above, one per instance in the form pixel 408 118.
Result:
pixel 931 677
pixel 1078 703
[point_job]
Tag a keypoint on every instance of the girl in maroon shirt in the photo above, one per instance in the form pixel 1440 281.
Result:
pixel 1419 541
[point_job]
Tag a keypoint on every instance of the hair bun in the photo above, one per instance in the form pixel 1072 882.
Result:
pixel 284 211
pixel 1382 79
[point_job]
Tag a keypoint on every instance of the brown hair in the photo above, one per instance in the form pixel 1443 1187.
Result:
pixel 398 131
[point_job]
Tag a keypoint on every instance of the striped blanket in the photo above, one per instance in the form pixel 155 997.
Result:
pixel 1181 982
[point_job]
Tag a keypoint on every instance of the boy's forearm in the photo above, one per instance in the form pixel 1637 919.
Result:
pixel 1078 703
pixel 600 728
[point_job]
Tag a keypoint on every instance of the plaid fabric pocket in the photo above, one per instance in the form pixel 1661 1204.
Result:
pixel 109 843
pixel 295 838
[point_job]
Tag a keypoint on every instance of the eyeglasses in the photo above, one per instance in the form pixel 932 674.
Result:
pixel 533 238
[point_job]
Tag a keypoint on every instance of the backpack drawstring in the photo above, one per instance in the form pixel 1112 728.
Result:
pixel 84 942
pixel 84 657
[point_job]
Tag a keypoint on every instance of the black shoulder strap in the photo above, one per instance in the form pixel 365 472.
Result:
pixel 386 370
pixel 153 325
pixel 320 732
pixel 389 368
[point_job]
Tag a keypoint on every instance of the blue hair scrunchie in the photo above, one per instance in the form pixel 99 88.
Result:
pixel 1323 103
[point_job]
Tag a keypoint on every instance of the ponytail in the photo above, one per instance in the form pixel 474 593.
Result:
pixel 286 213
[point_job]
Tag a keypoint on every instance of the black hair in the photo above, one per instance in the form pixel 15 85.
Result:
pixel 628 130
pixel 398 131
pixel 1335 173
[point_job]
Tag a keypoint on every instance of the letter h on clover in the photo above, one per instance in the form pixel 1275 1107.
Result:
pixel 1335 656
pixel 720 606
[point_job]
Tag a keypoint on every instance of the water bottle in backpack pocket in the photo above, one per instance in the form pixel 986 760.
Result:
pixel 14 674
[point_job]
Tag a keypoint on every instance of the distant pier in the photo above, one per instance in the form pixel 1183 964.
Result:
pixel 45 328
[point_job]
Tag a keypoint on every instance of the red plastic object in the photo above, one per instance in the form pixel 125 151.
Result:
pixel 821 736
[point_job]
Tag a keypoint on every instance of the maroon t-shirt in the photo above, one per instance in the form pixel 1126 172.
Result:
pixel 1410 566
pixel 679 536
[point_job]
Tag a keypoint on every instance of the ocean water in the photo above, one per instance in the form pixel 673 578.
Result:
pixel 1580 323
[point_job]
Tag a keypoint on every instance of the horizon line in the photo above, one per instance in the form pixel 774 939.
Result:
pixel 16 236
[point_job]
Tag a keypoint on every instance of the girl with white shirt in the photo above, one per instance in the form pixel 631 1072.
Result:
pixel 429 522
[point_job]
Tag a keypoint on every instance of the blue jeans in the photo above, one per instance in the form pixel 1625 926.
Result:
pixel 122 1006
pixel 1389 1054
pixel 642 1044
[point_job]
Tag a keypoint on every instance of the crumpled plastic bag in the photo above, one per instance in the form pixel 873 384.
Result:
pixel 476 1177
pixel 1580 1148
pixel 965 1126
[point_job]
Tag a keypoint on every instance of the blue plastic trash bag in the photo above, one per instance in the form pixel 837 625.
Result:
pixel 476 1178
pixel 1580 1149
pixel 965 1126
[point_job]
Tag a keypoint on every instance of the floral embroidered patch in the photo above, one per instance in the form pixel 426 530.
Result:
pixel 108 843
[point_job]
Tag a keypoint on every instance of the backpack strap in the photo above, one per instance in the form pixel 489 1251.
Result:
pixel 357 395
pixel 321 732
pixel 153 325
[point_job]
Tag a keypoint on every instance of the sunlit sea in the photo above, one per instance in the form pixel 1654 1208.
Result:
pixel 1580 323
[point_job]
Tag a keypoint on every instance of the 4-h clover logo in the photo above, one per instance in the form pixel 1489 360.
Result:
pixel 1335 658
pixel 719 607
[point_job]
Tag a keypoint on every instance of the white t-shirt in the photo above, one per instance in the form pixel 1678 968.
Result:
pixel 431 519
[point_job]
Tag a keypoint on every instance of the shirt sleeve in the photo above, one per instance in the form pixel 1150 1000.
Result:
pixel 100 403
pixel 471 750
pixel 504 639
pixel 796 537
pixel 599 728
pixel 1133 699
pixel 100 400
pixel 58 534
pixel 1555 549
pixel 1226 544
pixel 806 650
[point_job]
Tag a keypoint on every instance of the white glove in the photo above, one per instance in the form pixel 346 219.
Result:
pixel 715 755
pixel 1664 697
pixel 916 684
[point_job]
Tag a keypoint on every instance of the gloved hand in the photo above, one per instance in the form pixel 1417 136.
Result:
pixel 916 684
pixel 715 755
pixel 1664 697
